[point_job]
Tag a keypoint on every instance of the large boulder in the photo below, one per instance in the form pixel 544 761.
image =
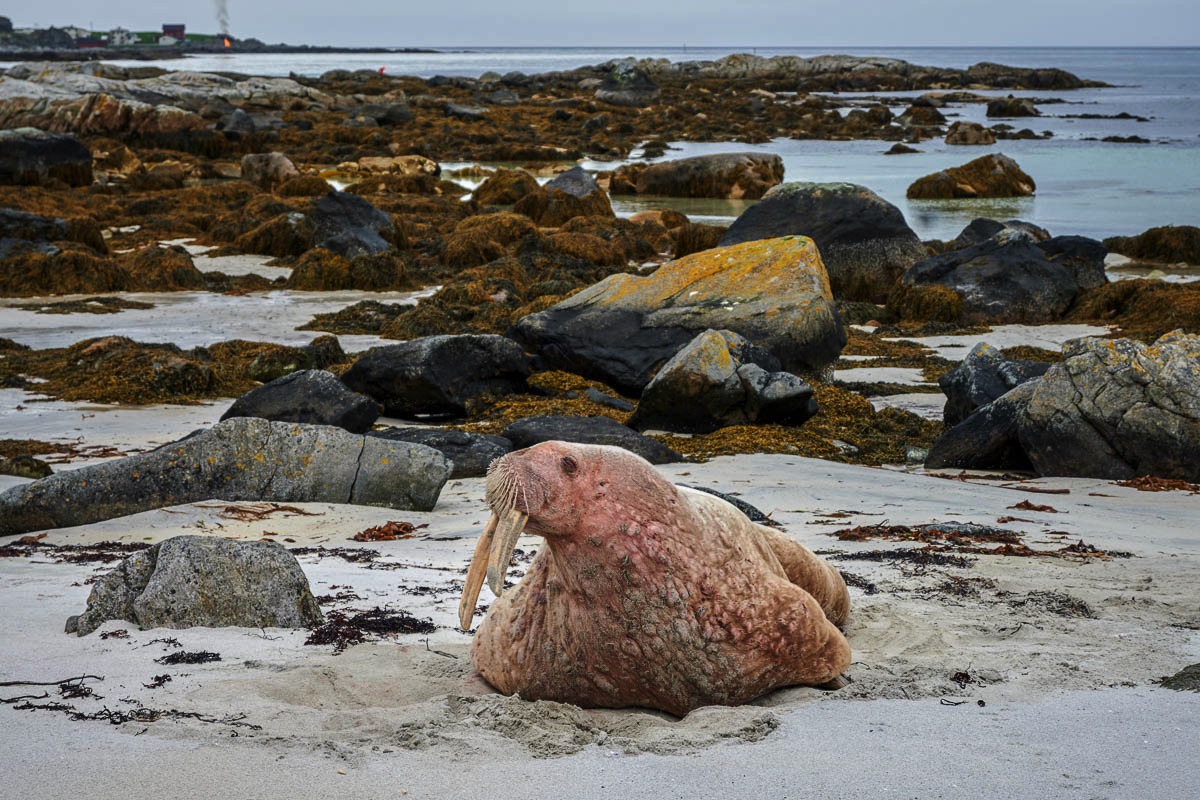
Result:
pixel 1169 244
pixel 268 171
pixel 969 133
pixel 981 229
pixel 550 208
pixel 864 241
pixel 721 379
pixel 983 376
pixel 470 454
pixel 439 375
pixel 1084 257
pixel 987 439
pixel 627 85
pixel 1118 409
pixel 348 225
pixel 576 181
pixel 993 175
pixel 588 430
pixel 775 293
pixel 26 226
pixel 1012 107
pixel 31 157
pixel 1008 278
pixel 724 175
pixel 311 396
pixel 239 459
pixel 505 187
pixel 206 581
pixel 155 268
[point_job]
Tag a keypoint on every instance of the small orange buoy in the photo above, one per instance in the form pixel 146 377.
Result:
pixel 381 69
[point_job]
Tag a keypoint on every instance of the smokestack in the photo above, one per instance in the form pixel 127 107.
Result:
pixel 222 16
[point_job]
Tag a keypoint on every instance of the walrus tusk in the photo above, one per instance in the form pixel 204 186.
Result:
pixel 504 542
pixel 475 575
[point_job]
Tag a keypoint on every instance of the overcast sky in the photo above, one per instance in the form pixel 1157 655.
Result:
pixel 740 23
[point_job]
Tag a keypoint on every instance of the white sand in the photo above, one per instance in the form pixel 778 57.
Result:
pixel 1070 708
pixel 1049 337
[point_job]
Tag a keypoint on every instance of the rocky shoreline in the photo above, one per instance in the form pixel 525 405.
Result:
pixel 548 305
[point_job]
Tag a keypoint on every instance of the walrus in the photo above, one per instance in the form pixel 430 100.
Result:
pixel 646 594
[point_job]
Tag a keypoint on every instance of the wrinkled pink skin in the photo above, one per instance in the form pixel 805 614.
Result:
pixel 651 595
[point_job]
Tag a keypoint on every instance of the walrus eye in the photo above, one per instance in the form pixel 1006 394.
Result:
pixel 569 466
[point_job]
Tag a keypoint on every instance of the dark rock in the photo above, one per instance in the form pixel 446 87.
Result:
pixel 626 85
pixel 554 207
pixel 1005 279
pixel 1084 257
pixel 864 241
pixel 722 175
pixel 600 398
pixel 994 175
pixel 576 181
pixel 312 396
pixel 900 149
pixel 25 467
pixel 395 113
pixel 350 226
pixel 469 453
pixel 587 430
pixel 239 459
pixel 969 133
pixel 1012 107
pixel 721 379
pixel 981 229
pixel 268 170
pixel 988 438
pixel 32 157
pixel 921 115
pixel 620 330
pixel 190 581
pixel 1170 244
pixel 439 375
pixel 236 121
pixel 17 224
pixel 505 187
pixel 1118 409
pixel 983 376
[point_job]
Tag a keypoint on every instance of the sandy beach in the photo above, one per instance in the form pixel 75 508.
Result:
pixel 988 677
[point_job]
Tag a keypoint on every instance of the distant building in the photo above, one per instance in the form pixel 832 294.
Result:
pixel 120 37
pixel 167 40
pixel 90 43
pixel 176 32
pixel 76 33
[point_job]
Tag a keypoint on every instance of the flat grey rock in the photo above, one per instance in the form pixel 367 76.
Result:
pixel 245 458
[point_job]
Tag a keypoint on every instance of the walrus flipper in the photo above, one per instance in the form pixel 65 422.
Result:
pixel 812 574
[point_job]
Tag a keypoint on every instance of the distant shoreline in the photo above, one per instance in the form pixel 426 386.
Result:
pixel 152 53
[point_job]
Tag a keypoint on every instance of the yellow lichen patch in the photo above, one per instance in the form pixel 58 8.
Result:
pixel 742 273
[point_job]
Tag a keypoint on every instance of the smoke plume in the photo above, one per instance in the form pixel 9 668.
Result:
pixel 222 15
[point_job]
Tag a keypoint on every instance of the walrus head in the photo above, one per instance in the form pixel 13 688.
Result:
pixel 550 490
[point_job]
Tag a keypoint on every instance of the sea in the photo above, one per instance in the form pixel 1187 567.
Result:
pixel 1084 186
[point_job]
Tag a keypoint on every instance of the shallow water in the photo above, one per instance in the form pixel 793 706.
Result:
pixel 194 319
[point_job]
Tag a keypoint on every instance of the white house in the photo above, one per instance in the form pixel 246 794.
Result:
pixel 120 37
pixel 167 40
